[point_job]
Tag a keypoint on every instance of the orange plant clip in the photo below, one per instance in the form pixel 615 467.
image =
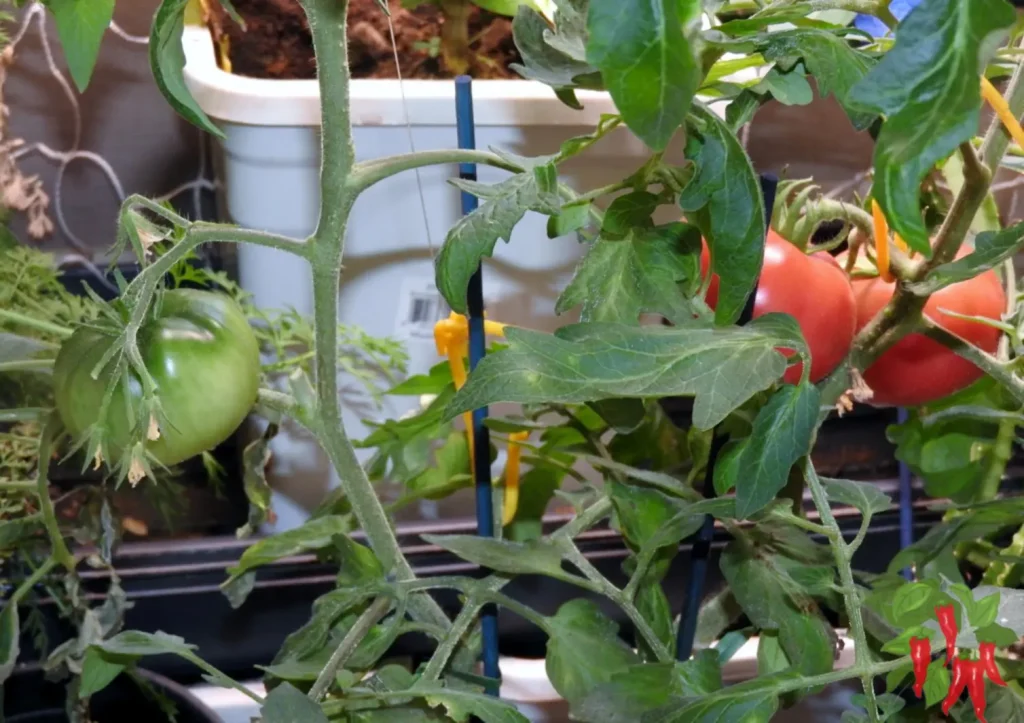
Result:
pixel 995 99
pixel 451 336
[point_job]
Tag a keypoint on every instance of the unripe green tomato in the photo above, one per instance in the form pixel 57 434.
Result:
pixel 204 358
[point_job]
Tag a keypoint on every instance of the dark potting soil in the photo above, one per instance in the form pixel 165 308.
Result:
pixel 276 42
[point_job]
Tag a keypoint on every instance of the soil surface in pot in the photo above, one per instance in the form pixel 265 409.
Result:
pixel 276 42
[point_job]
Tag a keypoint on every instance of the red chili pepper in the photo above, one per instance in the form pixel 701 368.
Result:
pixel 988 662
pixel 921 654
pixel 946 615
pixel 956 687
pixel 974 671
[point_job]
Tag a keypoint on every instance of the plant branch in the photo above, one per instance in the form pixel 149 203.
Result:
pixel 32 580
pixel 327 20
pixel 33 323
pixel 60 552
pixel 27 365
pixel 1001 372
pixel 360 628
pixel 368 173
pixel 851 598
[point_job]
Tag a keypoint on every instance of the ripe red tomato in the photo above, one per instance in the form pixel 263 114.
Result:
pixel 918 370
pixel 811 288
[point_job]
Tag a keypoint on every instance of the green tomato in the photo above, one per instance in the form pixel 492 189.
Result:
pixel 204 358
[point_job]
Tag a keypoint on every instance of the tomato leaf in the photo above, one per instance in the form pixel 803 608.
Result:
pixel 540 557
pixel 254 462
pixel 638 689
pixel 459 705
pixel 782 434
pixel 835 65
pixel 724 200
pixel 647 62
pixel 474 236
pixel 642 273
pixel 722 366
pixel 313 535
pixel 584 650
pixel 286 704
pixel 754 701
pixel 99 671
pixel 81 26
pixel 991 248
pixel 167 59
pixel 555 57
pixel 865 496
pixel 327 610
pixel 927 87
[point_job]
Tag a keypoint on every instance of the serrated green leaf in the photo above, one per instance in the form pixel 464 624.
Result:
pixel 327 610
pixel 459 705
pixel 927 86
pixel 782 434
pixel 723 366
pixel 135 643
pixel 312 535
pixel 474 236
pixel 583 650
pixel 618 280
pixel 724 200
pixel 789 88
pixel 864 496
pixel 629 694
pixel 287 704
pixel 551 56
pixel 167 60
pixel 754 701
pixel 81 25
pixel 647 62
pixel 835 65
pixel 990 249
pixel 542 557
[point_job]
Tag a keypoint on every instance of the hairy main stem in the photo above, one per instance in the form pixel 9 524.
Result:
pixel 327 20
pixel 851 598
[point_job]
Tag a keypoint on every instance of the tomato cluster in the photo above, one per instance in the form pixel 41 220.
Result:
pixel 831 309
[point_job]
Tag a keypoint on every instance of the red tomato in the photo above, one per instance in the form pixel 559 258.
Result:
pixel 811 288
pixel 918 370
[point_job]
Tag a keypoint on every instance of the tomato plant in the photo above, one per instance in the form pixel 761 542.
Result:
pixel 202 354
pixel 814 290
pixel 917 369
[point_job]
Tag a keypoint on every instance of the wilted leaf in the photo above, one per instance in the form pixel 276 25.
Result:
pixel 541 557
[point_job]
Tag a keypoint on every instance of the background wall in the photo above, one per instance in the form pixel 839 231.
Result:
pixel 123 119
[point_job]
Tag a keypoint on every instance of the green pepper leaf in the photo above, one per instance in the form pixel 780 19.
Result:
pixel 927 87
pixel 722 366
pixel 81 27
pixel 167 59
pixel 647 62
pixel 724 200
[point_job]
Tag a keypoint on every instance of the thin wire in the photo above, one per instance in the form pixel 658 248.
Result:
pixel 412 143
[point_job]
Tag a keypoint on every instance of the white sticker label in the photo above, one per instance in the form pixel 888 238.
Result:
pixel 420 306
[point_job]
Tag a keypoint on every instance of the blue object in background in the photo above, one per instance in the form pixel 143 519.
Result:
pixel 871 24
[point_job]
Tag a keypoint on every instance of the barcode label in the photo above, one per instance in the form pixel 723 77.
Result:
pixel 420 306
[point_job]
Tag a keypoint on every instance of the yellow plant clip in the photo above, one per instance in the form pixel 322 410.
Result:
pixel 995 99
pixel 451 336
pixel 881 241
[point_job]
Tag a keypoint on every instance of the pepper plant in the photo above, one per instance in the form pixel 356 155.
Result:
pixel 918 91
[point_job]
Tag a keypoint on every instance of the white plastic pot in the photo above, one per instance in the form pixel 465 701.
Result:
pixel 269 173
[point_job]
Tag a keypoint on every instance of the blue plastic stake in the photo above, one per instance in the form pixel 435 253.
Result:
pixel 477 350
pixel 701 550
pixel 906 502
